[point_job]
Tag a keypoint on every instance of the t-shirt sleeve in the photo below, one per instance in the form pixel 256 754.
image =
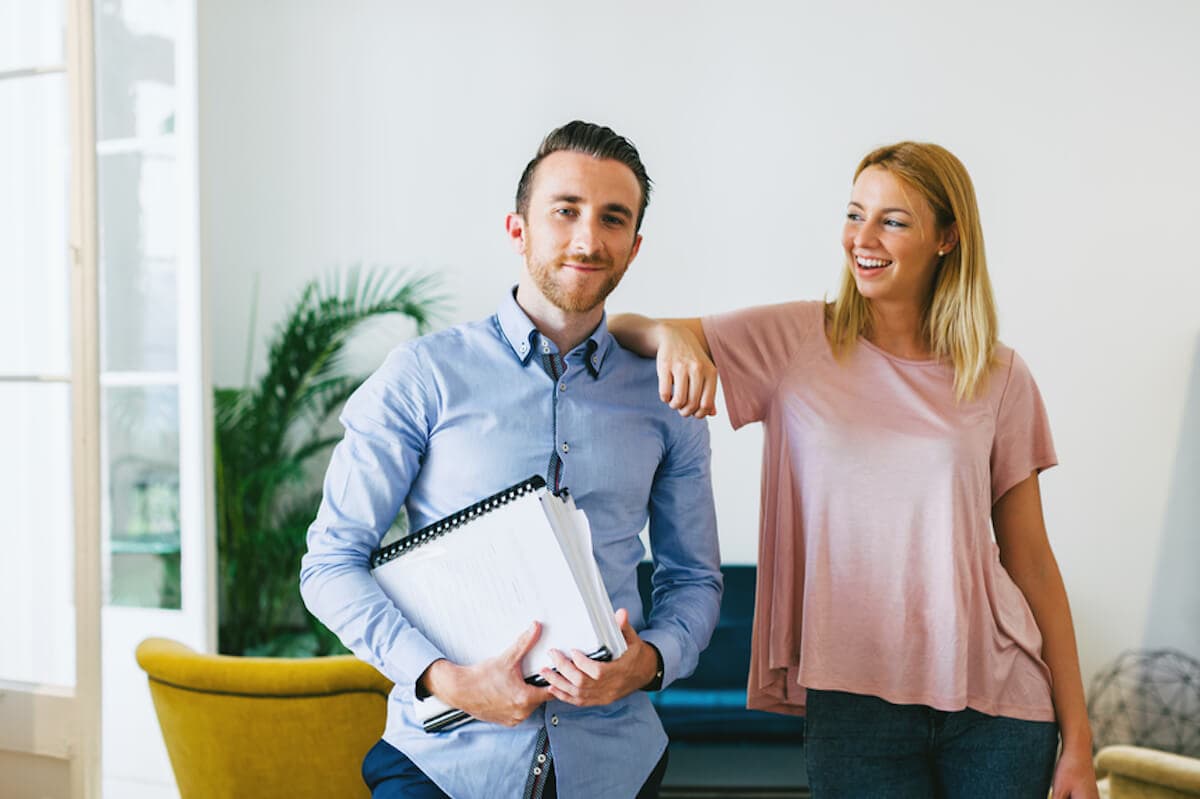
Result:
pixel 1023 443
pixel 751 347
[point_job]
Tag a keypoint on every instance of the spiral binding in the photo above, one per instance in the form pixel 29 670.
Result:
pixel 438 529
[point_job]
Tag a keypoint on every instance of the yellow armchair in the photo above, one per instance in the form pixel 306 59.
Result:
pixel 1137 773
pixel 264 727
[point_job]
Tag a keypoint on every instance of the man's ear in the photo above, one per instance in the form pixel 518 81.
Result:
pixel 514 223
pixel 637 245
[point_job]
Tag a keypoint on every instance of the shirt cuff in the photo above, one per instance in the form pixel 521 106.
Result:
pixel 408 659
pixel 668 648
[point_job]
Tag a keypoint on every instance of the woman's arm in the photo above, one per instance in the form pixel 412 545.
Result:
pixel 687 378
pixel 1026 555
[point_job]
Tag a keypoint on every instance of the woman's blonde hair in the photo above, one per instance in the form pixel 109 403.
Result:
pixel 960 315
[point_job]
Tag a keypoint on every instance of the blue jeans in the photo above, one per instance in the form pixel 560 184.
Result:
pixel 862 746
pixel 391 775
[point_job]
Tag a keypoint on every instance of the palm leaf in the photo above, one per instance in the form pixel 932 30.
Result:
pixel 267 432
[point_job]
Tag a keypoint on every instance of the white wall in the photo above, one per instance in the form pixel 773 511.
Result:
pixel 394 133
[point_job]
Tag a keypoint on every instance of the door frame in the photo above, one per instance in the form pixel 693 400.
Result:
pixel 85 399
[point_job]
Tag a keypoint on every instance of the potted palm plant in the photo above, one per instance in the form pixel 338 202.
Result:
pixel 270 436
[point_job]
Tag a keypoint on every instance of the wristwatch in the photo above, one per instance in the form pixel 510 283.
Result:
pixel 656 683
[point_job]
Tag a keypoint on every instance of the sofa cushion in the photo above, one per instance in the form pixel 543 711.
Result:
pixel 710 705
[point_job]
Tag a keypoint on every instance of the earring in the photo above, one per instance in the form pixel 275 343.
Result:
pixel 941 253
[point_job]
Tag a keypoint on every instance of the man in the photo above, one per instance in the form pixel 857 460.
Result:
pixel 538 388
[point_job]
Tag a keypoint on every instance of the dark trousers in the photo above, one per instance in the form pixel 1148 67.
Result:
pixel 860 745
pixel 391 775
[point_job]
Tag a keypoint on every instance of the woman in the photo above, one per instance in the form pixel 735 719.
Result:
pixel 928 659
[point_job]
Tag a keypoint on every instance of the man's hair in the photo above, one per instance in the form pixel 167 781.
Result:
pixel 597 141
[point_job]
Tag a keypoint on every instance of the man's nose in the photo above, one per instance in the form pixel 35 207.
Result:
pixel 586 236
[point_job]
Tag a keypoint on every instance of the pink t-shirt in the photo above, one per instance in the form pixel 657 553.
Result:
pixel 877 570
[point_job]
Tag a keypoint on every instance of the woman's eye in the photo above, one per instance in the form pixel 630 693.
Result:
pixel 854 217
pixel 894 223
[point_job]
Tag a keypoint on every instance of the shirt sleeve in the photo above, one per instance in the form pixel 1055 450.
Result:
pixel 686 582
pixel 371 470
pixel 1022 443
pixel 751 347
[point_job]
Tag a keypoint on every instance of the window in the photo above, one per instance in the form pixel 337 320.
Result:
pixel 37 536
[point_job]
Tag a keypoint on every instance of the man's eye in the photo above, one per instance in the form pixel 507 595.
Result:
pixel 564 211
pixel 615 221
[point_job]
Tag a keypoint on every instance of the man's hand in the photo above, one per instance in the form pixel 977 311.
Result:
pixel 581 681
pixel 493 690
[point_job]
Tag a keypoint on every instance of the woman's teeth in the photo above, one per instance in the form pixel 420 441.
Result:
pixel 872 263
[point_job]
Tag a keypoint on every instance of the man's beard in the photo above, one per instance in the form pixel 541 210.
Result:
pixel 574 300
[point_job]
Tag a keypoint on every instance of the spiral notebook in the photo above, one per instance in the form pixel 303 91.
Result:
pixel 474 581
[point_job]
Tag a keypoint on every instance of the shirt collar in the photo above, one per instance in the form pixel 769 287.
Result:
pixel 523 337
pixel 516 327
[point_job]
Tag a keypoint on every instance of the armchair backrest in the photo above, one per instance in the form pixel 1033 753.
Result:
pixel 264 727
pixel 1135 772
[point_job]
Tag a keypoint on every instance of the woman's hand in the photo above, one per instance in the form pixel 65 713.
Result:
pixel 1074 776
pixel 687 378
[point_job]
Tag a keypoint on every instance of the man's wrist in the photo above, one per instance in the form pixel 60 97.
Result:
pixel 656 680
pixel 435 680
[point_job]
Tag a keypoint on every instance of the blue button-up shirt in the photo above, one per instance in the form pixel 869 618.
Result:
pixel 463 413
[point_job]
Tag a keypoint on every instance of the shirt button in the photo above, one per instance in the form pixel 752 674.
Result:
pixel 554 721
pixel 541 758
pixel 537 770
pixel 562 386
pixel 566 447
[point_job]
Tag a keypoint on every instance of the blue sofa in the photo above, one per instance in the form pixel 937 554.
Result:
pixel 710 706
